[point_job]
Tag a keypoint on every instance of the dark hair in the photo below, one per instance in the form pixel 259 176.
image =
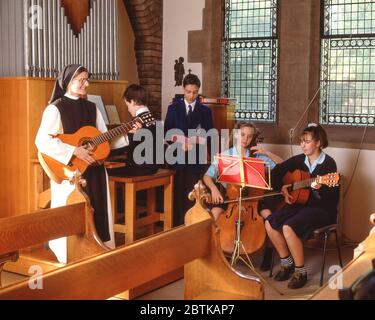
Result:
pixel 242 124
pixel 137 93
pixel 80 70
pixel 191 79
pixel 318 134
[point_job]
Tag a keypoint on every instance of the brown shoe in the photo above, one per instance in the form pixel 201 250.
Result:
pixel 284 273
pixel 298 280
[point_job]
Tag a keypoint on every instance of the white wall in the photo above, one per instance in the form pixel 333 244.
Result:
pixel 359 202
pixel 179 17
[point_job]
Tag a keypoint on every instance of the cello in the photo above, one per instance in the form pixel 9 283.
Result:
pixel 252 231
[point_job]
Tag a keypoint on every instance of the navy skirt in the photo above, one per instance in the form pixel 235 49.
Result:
pixel 303 220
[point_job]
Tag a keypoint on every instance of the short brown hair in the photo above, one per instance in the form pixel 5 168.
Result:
pixel 136 93
pixel 191 79
pixel 318 134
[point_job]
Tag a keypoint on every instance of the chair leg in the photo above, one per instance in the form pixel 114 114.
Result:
pixel 272 262
pixel 324 257
pixel 338 249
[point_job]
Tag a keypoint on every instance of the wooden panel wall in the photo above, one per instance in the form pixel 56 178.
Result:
pixel 13 147
pixel 22 102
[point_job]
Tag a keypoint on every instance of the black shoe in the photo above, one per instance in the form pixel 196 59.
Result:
pixel 298 280
pixel 267 259
pixel 284 273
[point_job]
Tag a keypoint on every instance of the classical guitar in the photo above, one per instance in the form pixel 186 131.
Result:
pixel 92 139
pixel 301 181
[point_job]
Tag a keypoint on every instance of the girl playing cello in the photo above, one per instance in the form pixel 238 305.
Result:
pixel 243 136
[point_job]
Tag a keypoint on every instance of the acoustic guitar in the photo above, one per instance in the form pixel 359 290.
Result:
pixel 94 140
pixel 300 182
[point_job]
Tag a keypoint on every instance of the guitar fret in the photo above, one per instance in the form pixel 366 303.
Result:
pixel 302 184
pixel 109 135
pixel 120 130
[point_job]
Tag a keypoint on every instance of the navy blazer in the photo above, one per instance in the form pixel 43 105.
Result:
pixel 176 118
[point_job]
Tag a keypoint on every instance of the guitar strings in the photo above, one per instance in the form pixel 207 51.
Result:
pixel 117 131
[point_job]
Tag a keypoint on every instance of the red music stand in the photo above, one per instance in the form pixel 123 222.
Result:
pixel 243 171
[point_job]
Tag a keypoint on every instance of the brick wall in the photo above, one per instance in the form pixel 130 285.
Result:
pixel 147 22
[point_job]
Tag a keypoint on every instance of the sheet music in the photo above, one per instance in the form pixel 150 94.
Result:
pixel 100 105
pixel 113 115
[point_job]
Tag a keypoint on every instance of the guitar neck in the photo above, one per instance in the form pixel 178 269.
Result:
pixel 302 184
pixel 113 133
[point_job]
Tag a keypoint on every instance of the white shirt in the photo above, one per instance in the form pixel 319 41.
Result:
pixel 141 110
pixel 189 104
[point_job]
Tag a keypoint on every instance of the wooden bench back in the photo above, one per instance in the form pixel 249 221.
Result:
pixel 75 221
pixel 34 228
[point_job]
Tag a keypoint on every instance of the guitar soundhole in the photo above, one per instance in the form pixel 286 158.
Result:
pixel 88 144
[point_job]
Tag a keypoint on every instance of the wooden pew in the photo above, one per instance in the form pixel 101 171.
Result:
pixel 195 246
pixel 361 263
pixel 74 220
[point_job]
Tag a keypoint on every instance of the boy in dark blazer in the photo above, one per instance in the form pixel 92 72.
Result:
pixel 184 114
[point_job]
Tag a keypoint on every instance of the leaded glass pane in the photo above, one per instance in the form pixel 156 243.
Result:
pixel 250 57
pixel 348 63
pixel 346 17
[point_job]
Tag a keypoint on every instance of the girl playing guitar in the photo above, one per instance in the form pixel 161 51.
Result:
pixel 287 227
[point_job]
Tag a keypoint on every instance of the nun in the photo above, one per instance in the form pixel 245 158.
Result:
pixel 67 112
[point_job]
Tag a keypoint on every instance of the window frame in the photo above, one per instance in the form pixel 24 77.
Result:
pixel 275 42
pixel 324 82
pixel 343 136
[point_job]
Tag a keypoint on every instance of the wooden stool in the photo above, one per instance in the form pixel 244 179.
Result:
pixel 133 184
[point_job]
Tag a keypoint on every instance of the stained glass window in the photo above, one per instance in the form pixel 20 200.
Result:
pixel 250 57
pixel 347 79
